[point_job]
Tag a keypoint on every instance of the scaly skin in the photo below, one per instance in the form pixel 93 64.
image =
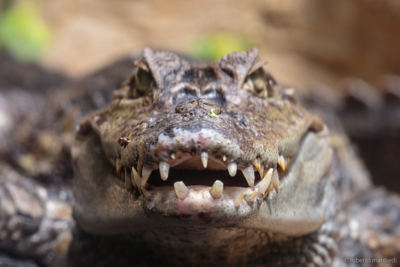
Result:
pixel 168 114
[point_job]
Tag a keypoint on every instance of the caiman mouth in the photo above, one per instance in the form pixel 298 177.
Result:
pixel 226 192
pixel 201 182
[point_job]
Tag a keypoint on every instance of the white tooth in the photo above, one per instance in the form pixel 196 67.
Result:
pixel 275 180
pixel 252 196
pixel 118 165
pixel 282 162
pixel 261 171
pixel 128 181
pixel 181 190
pixel 217 189
pixel 164 169
pixel 262 186
pixel 249 175
pixel 147 194
pixel 239 200
pixel 232 168
pixel 135 178
pixel 139 168
pixel 257 164
pixel 224 158
pixel 204 159
pixel 172 156
pixel 145 175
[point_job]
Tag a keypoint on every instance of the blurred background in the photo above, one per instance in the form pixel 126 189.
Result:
pixel 303 40
pixel 306 43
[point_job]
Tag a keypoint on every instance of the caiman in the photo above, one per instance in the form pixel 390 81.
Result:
pixel 191 164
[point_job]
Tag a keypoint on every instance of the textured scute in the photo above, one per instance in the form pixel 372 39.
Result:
pixel 31 215
pixel 372 230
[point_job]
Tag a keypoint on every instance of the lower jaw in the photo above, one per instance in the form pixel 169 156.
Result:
pixel 199 206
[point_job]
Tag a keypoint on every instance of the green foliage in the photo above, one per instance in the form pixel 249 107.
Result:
pixel 212 113
pixel 23 31
pixel 214 46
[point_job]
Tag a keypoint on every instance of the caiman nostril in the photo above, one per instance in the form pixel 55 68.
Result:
pixel 209 104
pixel 186 106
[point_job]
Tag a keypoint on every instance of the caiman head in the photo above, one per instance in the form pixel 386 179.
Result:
pixel 201 145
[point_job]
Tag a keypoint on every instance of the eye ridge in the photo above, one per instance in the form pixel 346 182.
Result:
pixel 144 81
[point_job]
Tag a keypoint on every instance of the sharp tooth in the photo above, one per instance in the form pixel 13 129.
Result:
pixel 147 194
pixel 139 168
pixel 118 165
pixel 275 180
pixel 204 159
pixel 249 175
pixel 232 169
pixel 145 175
pixel 252 196
pixel 257 164
pixel 135 178
pixel 224 158
pixel 239 200
pixel 164 169
pixel 181 190
pixel 283 162
pixel 264 183
pixel 261 171
pixel 217 189
pixel 128 181
pixel 172 156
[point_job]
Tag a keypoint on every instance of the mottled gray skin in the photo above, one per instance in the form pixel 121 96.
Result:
pixel 324 212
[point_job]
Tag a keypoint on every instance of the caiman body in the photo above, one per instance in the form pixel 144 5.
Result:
pixel 196 164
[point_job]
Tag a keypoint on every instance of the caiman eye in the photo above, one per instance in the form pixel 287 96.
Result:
pixel 259 83
pixel 144 82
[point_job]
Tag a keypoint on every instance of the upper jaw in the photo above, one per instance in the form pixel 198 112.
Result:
pixel 204 149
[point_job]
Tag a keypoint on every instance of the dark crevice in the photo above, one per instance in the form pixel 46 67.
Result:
pixel 202 177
